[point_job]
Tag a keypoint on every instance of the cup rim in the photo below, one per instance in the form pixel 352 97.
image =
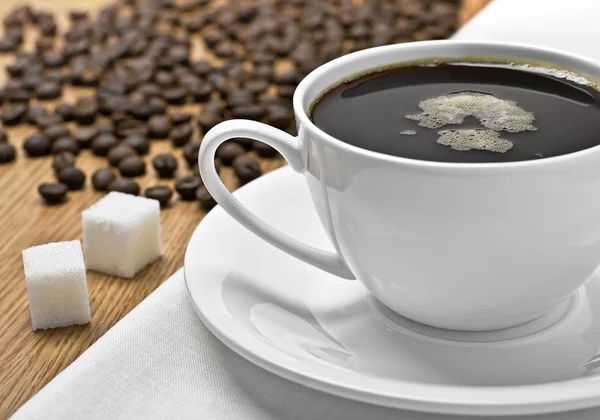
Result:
pixel 341 62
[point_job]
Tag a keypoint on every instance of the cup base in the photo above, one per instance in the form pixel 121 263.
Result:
pixel 554 316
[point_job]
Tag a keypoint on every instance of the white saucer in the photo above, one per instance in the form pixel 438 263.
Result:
pixel 327 333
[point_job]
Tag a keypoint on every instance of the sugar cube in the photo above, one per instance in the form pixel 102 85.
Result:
pixel 56 285
pixel 121 234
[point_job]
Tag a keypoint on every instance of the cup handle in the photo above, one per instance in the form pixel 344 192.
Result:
pixel 292 151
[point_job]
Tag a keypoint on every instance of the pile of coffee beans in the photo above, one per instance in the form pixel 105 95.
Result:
pixel 145 59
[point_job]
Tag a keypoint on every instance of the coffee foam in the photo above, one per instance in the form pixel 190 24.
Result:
pixel 480 139
pixel 408 132
pixel 492 112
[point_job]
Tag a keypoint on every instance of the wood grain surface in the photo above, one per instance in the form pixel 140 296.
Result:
pixel 29 360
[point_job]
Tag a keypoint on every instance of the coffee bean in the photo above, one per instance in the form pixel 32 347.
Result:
pixel 159 127
pixel 286 91
pixel 244 142
pixel 32 81
pixel 46 121
pixel 43 44
pixel 264 150
pixel 164 78
pixel 73 178
pixel 207 120
pixel 202 92
pixel 53 193
pixel 224 49
pixel 16 69
pixel 78 15
pixel 48 28
pixel 190 153
pixel 246 168
pixel 7 153
pixel 161 193
pixel 37 145
pixel 204 197
pixel 175 95
pixel 202 68
pixel 256 86
pixel 65 111
pixel 63 160
pixel 13 114
pixel 132 166
pixel 17 95
pixel 181 134
pixel 228 151
pixel 85 110
pixel 8 44
pixel 287 77
pixel 149 89
pixel 56 131
pixel 65 144
pixel 53 59
pixel 48 90
pixel 187 186
pixel 165 165
pixel 3 136
pixel 180 118
pixel 279 116
pixel 240 97
pixel 139 143
pixel 250 112
pixel 34 112
pixel 118 153
pixel 102 178
pixel 84 137
pixel 124 185
pixel 102 143
pixel 212 37
pixel 263 71
pixel 105 128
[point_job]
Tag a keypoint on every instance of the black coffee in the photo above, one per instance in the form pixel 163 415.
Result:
pixel 464 112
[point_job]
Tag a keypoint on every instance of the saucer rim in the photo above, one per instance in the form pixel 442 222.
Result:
pixel 560 396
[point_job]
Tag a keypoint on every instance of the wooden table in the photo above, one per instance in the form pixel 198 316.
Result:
pixel 29 360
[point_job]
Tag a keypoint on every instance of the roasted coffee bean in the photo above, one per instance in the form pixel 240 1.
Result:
pixel 244 142
pixel 181 134
pixel 102 143
pixel 132 166
pixel 65 111
pixel 228 151
pixel 105 128
pixel 46 121
pixel 124 185
pixel 7 153
pixel 84 137
pixel 17 95
pixel 8 44
pixel 78 15
pixel 190 153
pixel 161 193
pixel 102 178
pixel 164 78
pixel 37 145
pixel 34 112
pixel 224 49
pixel 240 97
pixel 175 95
pixel 149 89
pixel 202 68
pixel 56 131
pixel 48 28
pixel 65 144
pixel 32 81
pixel 16 69
pixel 256 86
pixel 286 91
pixel 165 165
pixel 212 37
pixel 208 120
pixel 48 90
pixel 180 118
pixel 202 92
pixel 186 187
pixel 85 110
pixel 279 116
pixel 3 136
pixel 204 197
pixel 73 178
pixel 159 127
pixel 264 71
pixel 139 143
pixel 250 112
pixel 53 193
pixel 129 127
pixel 264 150
pixel 287 77
pixel 43 44
pixel 63 160
pixel 118 153
pixel 53 59
pixel 13 114
pixel 246 168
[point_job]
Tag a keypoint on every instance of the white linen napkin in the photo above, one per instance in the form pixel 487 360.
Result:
pixel 161 362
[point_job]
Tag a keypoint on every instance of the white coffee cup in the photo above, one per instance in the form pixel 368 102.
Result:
pixel 476 246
